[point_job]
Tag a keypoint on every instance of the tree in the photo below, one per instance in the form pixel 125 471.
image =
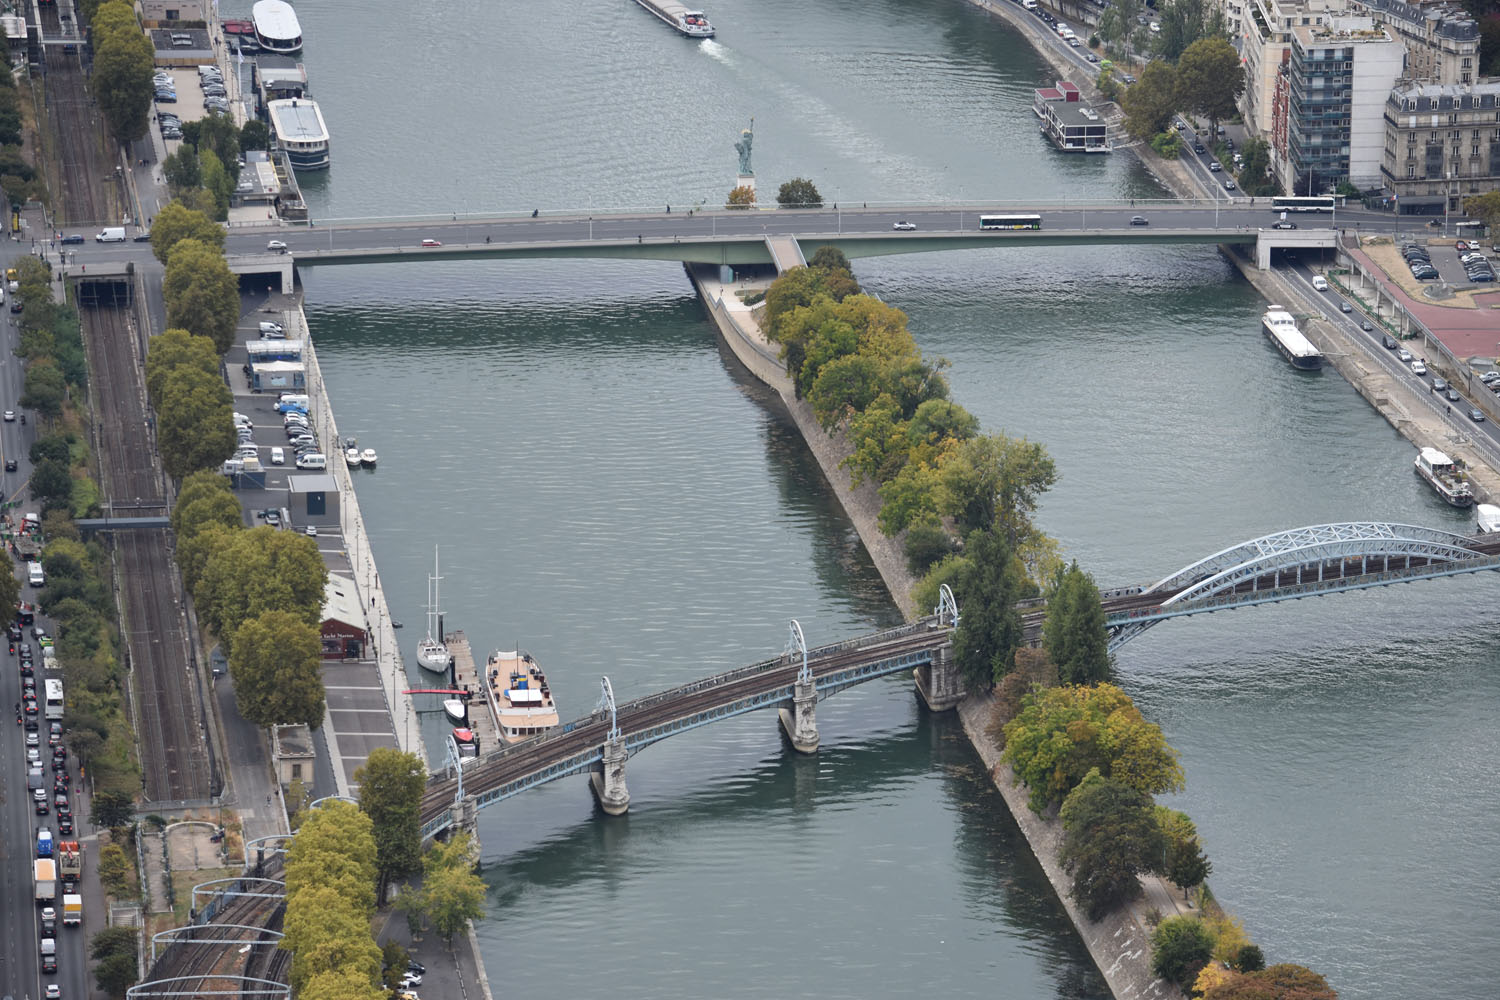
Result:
pixel 1255 172
pixel 390 793
pixel 52 485
pixel 115 871
pixel 829 259
pixel 45 388
pixel 108 809
pixel 1486 208
pixel 172 348
pixel 117 940
pixel 1187 865
pixel 1180 947
pixel 1210 79
pixel 218 134
pixel 1063 733
pixel 247 573
pixel 275 663
pixel 799 192
pixel 1151 101
pixel 176 222
pixel 327 935
pixel 217 181
pixel 1248 959
pixel 201 293
pixel 452 894
pixel 1073 631
pixel 1184 22
pixel 741 197
pixel 996 481
pixel 1110 839
pixel 194 430
pixel 255 134
pixel 216 509
pixel 338 983
pixel 121 80
pixel 182 169
pixel 987 586
pixel 117 973
pixel 1279 982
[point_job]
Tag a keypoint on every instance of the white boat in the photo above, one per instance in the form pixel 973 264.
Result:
pixel 1281 330
pixel 351 457
pixel 456 711
pixel 276 26
pixel 518 692
pixel 1443 476
pixel 692 23
pixel 368 457
pixel 1489 517
pixel 431 653
pixel 299 129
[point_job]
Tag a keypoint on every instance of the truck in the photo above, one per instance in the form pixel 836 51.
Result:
pixel 69 859
pixel 44 843
pixel 111 234
pixel 72 910
pixel 46 881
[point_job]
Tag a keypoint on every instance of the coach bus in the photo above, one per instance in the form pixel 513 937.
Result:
pixel 54 709
pixel 1010 222
pixel 1303 203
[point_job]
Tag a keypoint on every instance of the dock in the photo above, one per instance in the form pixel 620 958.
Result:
pixel 466 675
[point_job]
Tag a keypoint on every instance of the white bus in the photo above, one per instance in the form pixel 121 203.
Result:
pixel 54 690
pixel 1010 222
pixel 1303 203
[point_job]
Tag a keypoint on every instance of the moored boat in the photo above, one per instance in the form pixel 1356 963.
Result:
pixel 467 743
pixel 432 654
pixel 367 457
pixel 519 693
pixel 351 457
pixel 1488 516
pixel 1281 329
pixel 456 711
pixel 1443 476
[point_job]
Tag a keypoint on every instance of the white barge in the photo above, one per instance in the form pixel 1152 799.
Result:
pixel 298 127
pixel 682 19
pixel 1443 476
pixel 276 27
pixel 1281 330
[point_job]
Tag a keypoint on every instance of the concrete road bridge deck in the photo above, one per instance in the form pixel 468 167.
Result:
pixel 1285 566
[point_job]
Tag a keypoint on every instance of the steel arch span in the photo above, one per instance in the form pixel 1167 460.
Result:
pixel 1302 562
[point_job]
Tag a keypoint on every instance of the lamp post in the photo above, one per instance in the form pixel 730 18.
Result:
pixel 1447 200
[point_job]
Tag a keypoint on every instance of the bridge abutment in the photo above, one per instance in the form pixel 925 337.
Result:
pixel 608 783
pixel 801 721
pixel 939 682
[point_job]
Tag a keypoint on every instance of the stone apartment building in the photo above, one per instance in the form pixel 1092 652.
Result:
pixel 1442 144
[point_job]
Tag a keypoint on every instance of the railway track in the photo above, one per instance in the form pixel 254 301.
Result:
pixel 76 121
pixel 130 478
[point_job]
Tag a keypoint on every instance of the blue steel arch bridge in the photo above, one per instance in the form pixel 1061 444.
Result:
pixel 1285 566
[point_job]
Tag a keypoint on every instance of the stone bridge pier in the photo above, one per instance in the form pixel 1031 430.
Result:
pixel 608 779
pixel 801 721
pixel 939 682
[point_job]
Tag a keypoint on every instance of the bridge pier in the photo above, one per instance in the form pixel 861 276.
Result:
pixel 801 722
pixel 608 783
pixel 939 682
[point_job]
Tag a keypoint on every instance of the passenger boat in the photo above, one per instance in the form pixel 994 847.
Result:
pixel 1443 476
pixel 519 694
pixel 368 457
pixel 692 23
pixel 275 26
pixel 1281 330
pixel 298 127
pixel 431 653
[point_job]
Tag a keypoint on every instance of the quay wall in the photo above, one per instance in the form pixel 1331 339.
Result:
pixel 1119 945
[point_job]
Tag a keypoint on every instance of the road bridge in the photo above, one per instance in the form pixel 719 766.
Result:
pixel 1284 566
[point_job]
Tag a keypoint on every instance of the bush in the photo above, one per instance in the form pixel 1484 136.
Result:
pixel 799 192
pixel 926 543
pixel 1249 958
pixel 1167 144
pixel 1180 948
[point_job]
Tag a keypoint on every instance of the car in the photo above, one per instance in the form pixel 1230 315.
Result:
pixel 1452 395
pixel 13 631
pixel 1199 148
pixel 411 979
pixel 1215 166
pixel 10 416
pixel 1139 220
pixel 1460 246
pixel 144 237
pixel 1418 368
pixel 62 807
pixel 1283 224
pixel 1482 277
pixel 33 755
pixel 1476 415
pixel 432 243
pixel 33 740
pixel 1345 307
pixel 414 966
pixel 49 963
pixel 42 808
pixel 72 239
pixel 164 98
pixel 1229 185
pixel 1427 274
pixel 1180 125
pixel 276 245
pixel 1092 58
pixel 1365 326
pixel 1128 78
pixel 1490 377
pixel 272 517
pixel 1439 385
pixel 311 531
pixel 904 226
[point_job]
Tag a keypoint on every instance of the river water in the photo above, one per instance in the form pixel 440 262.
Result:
pixel 613 494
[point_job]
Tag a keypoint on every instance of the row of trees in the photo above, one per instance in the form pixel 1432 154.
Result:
pixel 193 405
pixel 205 170
pixel 123 64
pixel 261 592
pixel 51 341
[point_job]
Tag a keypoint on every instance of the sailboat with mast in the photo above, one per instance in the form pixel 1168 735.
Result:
pixel 431 653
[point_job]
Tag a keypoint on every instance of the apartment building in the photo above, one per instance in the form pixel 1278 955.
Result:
pixel 1338 77
pixel 1265 43
pixel 1441 39
pixel 1442 143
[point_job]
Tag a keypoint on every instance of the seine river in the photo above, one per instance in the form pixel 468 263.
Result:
pixel 614 495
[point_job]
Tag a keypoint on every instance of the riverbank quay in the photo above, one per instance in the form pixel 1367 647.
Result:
pixel 1420 417
pixel 1119 945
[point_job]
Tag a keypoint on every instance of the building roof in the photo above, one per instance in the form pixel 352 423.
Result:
pixel 341 602
pixel 293 740
pixel 319 483
pixel 271 367
pixel 1446 96
pixel 273 347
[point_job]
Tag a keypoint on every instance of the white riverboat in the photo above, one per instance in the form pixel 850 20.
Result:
pixel 432 654
pixel 276 27
pixel 1488 516
pixel 367 457
pixel 298 127
pixel 519 694
pixel 692 23
pixel 1443 476
pixel 1281 330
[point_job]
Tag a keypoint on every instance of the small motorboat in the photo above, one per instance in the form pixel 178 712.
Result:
pixel 351 458
pixel 367 456
pixel 456 711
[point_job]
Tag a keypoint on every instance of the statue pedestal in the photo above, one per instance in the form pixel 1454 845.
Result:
pixel 745 180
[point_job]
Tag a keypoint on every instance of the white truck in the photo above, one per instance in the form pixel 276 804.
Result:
pixel 46 880
pixel 111 234
pixel 72 910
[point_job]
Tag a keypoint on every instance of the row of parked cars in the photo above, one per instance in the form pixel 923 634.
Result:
pixel 1475 264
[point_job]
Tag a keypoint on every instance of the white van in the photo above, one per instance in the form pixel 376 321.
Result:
pixel 292 401
pixel 111 234
pixel 38 578
pixel 1320 283
pixel 1029 4
pixel 271 331
pixel 278 456
pixel 312 461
